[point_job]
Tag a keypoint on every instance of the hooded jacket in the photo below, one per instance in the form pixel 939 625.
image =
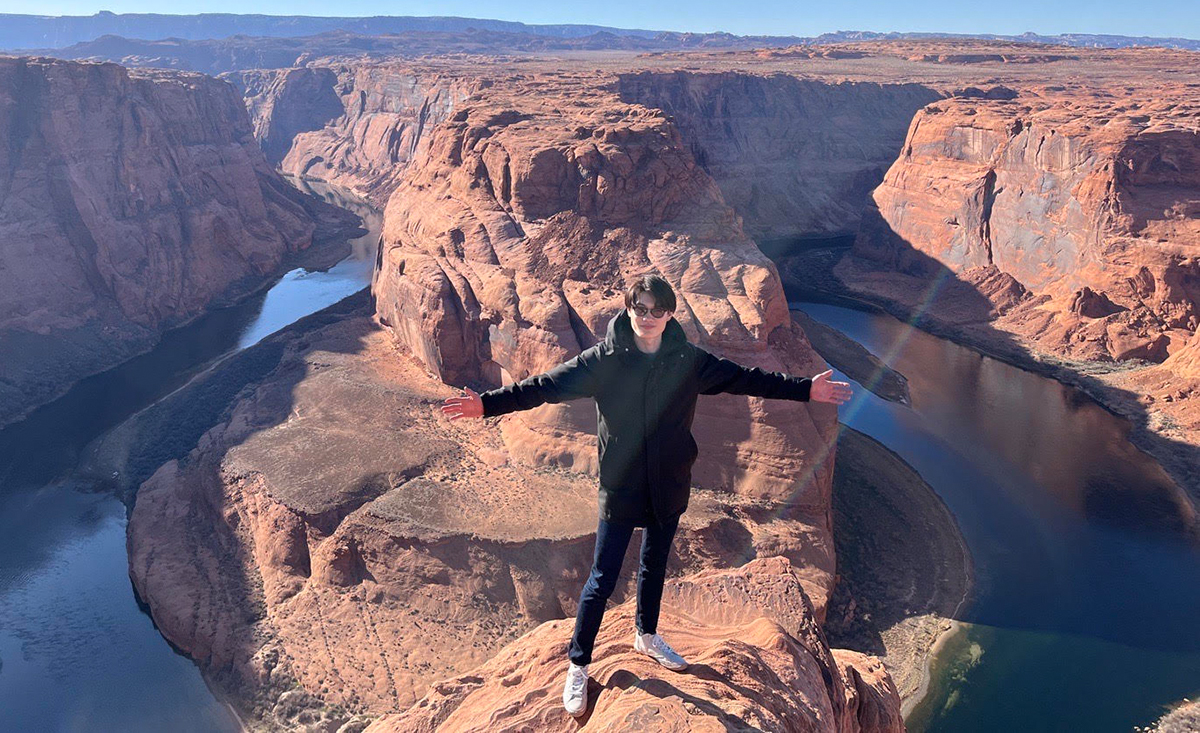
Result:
pixel 646 448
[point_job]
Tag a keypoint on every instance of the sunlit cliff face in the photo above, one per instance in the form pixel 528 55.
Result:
pixel 647 326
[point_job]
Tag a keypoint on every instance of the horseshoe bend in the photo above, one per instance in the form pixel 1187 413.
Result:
pixel 335 554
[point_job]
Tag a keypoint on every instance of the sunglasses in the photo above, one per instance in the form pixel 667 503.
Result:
pixel 642 310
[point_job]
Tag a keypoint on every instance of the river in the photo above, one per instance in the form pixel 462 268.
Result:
pixel 1084 614
pixel 1086 611
pixel 77 653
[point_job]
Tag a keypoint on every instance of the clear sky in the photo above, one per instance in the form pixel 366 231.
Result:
pixel 1178 18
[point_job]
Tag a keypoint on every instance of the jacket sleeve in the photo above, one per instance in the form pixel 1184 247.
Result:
pixel 571 380
pixel 718 375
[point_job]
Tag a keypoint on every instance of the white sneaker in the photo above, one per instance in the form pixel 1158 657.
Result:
pixel 575 695
pixel 653 645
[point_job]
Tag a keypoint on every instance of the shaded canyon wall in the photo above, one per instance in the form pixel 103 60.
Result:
pixel 130 201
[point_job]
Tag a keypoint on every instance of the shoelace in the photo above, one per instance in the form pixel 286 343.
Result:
pixel 579 678
pixel 661 644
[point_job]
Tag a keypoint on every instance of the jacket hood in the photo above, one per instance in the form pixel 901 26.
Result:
pixel 619 337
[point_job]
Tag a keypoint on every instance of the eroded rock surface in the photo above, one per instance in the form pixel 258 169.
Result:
pixel 1085 210
pixel 337 534
pixel 758 661
pixel 354 125
pixel 378 549
pixel 507 245
pixel 129 202
pixel 789 154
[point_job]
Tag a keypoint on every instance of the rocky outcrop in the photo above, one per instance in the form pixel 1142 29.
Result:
pixel 334 532
pixel 129 203
pixel 1182 719
pixel 791 156
pixel 335 544
pixel 357 126
pixel 504 252
pixel 1088 204
pixel 758 661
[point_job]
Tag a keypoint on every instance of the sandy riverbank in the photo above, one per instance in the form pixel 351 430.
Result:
pixel 904 569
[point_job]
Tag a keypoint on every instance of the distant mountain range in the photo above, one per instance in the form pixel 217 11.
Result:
pixel 1079 40
pixel 24 32
pixel 41 31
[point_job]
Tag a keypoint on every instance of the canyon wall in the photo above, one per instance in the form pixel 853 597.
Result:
pixel 507 245
pixel 335 543
pixel 335 547
pixel 353 125
pixel 129 203
pixel 792 156
pixel 1076 216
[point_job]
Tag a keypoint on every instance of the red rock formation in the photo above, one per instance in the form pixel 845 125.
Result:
pixel 129 203
pixel 758 661
pixel 337 534
pixel 1088 203
pixel 790 155
pixel 357 126
pixel 506 247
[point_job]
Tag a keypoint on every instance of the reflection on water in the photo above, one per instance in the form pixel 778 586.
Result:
pixel 76 652
pixel 301 292
pixel 1088 565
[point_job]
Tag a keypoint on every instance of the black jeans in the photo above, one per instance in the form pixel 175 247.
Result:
pixel 612 538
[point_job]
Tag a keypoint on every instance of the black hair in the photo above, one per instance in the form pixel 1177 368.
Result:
pixel 659 288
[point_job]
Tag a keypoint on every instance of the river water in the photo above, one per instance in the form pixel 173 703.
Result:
pixel 76 651
pixel 1086 610
pixel 1084 615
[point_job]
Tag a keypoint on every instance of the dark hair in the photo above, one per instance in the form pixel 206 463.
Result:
pixel 660 289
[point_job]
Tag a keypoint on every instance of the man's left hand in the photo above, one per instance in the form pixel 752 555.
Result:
pixel 824 390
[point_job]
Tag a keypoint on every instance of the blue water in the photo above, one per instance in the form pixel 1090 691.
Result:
pixel 76 651
pixel 1086 610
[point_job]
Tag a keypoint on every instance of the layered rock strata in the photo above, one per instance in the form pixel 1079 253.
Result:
pixel 336 533
pixel 129 203
pixel 1067 224
pixel 335 544
pixel 1091 210
pixel 790 155
pixel 354 125
pixel 506 248
pixel 758 662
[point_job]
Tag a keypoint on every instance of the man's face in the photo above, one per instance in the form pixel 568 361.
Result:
pixel 647 326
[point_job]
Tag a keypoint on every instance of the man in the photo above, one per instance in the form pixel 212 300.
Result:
pixel 645 377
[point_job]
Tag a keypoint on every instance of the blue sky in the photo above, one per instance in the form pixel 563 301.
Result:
pixel 1179 18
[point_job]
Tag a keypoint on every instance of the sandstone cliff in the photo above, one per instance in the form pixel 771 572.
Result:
pixel 129 203
pixel 504 252
pixel 790 155
pixel 335 544
pixel 758 661
pixel 1086 209
pixel 1059 228
pixel 354 125
pixel 335 532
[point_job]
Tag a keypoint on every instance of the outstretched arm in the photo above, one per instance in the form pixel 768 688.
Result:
pixel 571 380
pixel 722 375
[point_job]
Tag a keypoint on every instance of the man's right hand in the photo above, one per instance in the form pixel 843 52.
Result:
pixel 469 406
